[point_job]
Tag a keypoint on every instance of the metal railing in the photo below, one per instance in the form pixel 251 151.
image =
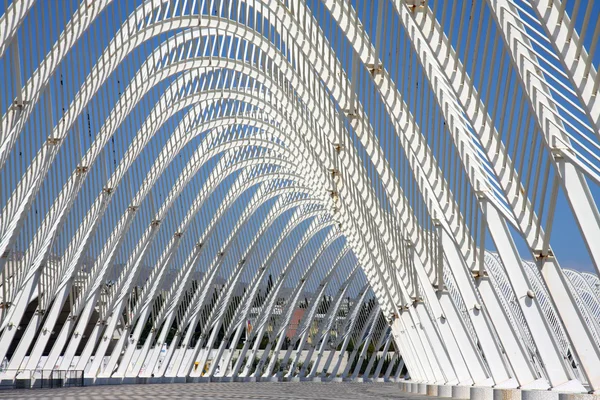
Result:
pixel 40 378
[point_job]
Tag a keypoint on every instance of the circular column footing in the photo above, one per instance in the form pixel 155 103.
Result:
pixel 543 395
pixel 482 393
pixel 461 392
pixel 444 391
pixel 422 388
pixel 432 390
pixel 508 394
pixel 575 396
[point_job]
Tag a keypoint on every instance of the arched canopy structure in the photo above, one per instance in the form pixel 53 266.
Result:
pixel 255 188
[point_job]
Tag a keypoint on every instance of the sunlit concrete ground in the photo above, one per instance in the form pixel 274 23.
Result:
pixel 288 390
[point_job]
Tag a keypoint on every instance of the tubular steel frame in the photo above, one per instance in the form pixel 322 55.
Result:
pixel 242 189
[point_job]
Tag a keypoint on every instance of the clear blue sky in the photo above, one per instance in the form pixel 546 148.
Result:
pixel 566 239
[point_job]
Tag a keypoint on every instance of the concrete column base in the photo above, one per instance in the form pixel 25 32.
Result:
pixel 444 391
pixel 482 393
pixel 414 388
pixel 461 392
pixel 422 388
pixel 432 390
pixel 507 394
pixel 577 396
pixel 545 395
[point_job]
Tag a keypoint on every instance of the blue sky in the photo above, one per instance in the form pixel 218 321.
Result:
pixel 566 239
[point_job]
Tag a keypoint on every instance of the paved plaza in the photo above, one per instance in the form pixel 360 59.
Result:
pixel 289 390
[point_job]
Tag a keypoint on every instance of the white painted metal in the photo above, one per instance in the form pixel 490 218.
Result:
pixel 154 184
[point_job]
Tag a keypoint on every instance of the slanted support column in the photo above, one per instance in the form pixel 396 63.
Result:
pixel 326 327
pixel 232 348
pixel 538 325
pixel 390 367
pixel 362 338
pixel 12 322
pixel 399 370
pixel 379 366
pixel 439 257
pixel 363 352
pixel 558 144
pixel 481 324
pixel 348 335
pixel 15 57
pixel 378 345
pixel 466 360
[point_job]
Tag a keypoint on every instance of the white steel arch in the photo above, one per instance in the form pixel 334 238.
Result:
pixel 244 189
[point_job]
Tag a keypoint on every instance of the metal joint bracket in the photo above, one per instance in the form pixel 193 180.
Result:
pixel 416 5
pixel 375 68
pixel 81 169
pixel 481 195
pixel 155 223
pixel 479 274
pixel 107 190
pixel 558 147
pixel 132 209
pixel 558 153
pixel 350 114
pixel 20 104
pixel 53 141
pixel 178 235
pixel 540 256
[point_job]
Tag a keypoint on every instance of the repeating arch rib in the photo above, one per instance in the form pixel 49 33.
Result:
pixel 235 189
